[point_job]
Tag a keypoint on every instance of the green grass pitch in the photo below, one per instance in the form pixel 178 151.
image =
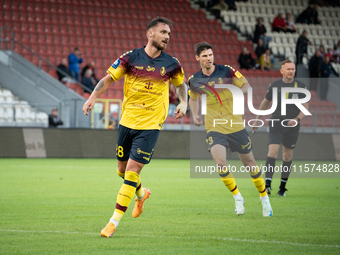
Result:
pixel 59 206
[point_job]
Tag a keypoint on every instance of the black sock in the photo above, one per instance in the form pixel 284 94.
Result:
pixel 286 168
pixel 270 165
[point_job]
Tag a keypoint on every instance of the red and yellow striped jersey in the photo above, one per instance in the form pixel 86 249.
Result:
pixel 146 87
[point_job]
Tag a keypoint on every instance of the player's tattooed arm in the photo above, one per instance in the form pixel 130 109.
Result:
pixel 103 84
pixel 182 93
pixel 100 85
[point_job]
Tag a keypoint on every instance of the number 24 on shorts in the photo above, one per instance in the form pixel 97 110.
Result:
pixel 119 151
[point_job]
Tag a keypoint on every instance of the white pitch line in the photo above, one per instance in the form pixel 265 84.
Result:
pixel 179 237
pixel 64 166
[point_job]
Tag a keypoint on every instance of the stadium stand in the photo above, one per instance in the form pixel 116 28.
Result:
pixel 18 112
pixel 327 33
pixel 105 29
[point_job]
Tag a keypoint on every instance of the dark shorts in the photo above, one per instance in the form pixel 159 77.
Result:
pixel 136 144
pixel 288 136
pixel 238 141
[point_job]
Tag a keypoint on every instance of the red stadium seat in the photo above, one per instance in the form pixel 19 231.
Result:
pixel 314 96
pixel 118 93
pixel 313 107
pixel 337 120
pixel 106 29
pixel 307 121
pixel 86 94
pixel 186 119
pixel 172 120
pixel 110 94
pixel 325 120
pixel 73 86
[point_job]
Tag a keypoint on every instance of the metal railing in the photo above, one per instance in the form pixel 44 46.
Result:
pixel 103 115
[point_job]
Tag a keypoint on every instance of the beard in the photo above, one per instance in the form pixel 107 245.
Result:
pixel 158 45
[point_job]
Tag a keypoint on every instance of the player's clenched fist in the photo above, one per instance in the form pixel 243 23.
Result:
pixel 197 121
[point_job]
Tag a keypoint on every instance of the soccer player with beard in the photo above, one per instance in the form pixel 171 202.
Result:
pixel 286 135
pixel 148 71
pixel 222 136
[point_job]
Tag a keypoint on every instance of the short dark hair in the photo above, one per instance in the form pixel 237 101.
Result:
pixel 154 22
pixel 201 47
pixel 286 61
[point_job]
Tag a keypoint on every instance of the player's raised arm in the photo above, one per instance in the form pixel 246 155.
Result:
pixel 102 85
pixel 181 108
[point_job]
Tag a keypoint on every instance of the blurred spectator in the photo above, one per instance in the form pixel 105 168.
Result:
pixel 333 3
pixel 325 70
pixel 260 32
pixel 74 59
pixel 264 61
pixel 290 23
pixel 246 60
pixel 337 46
pixel 222 5
pixel 63 67
pixel 173 100
pixel 304 16
pixel 113 124
pixel 314 15
pixel 91 65
pixel 88 81
pixel 314 70
pixel 309 16
pixel 203 3
pixel 53 120
pixel 279 23
pixel 218 5
pixel 259 49
pixel 322 51
pixel 336 52
pixel 329 53
pixel 301 46
pixel 231 4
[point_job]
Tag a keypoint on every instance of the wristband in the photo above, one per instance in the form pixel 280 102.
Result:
pixel 182 107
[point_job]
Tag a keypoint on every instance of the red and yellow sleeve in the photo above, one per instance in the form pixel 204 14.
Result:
pixel 238 79
pixel 194 95
pixel 119 67
pixel 177 77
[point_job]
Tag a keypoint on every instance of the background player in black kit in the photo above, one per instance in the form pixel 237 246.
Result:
pixel 279 134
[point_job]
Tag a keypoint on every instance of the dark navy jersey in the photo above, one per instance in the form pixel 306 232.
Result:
pixel 223 74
